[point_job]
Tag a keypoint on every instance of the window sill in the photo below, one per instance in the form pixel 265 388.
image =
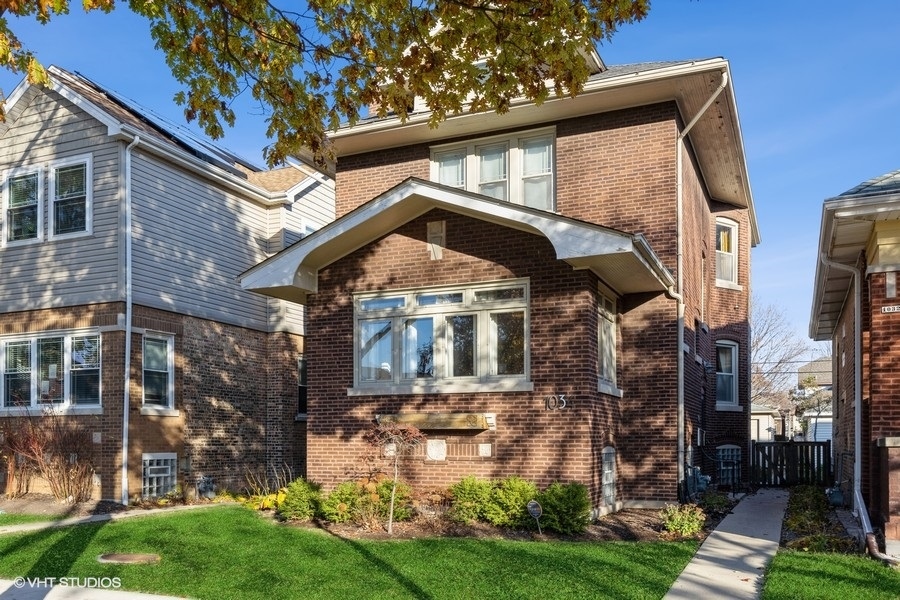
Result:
pixel 37 411
pixel 445 388
pixel 729 285
pixel 729 408
pixel 300 417
pixel 159 411
pixel 69 236
pixel 610 390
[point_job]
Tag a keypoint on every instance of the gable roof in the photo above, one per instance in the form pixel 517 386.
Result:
pixel 625 262
pixel 847 223
pixel 127 120
pixel 716 137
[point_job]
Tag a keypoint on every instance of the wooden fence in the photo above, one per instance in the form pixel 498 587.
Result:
pixel 790 463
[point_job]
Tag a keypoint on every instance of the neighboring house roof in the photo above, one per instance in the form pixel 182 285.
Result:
pixel 819 369
pixel 761 409
pixel 626 262
pixel 127 120
pixel 715 138
pixel 847 224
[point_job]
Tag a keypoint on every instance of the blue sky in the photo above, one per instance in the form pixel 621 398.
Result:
pixel 817 85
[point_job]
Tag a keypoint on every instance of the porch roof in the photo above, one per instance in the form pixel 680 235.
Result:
pixel 623 261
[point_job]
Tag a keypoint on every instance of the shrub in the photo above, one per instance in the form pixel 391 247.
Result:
pixel 340 505
pixel 566 508
pixel 367 502
pixel 685 520
pixel 301 500
pixel 714 501
pixel 507 505
pixel 470 497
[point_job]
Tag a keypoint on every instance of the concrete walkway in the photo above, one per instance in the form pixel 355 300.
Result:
pixel 732 560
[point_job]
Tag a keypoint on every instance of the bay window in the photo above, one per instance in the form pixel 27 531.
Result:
pixel 467 335
pixel 62 369
pixel 517 169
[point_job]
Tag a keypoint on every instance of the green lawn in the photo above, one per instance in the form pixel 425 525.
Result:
pixel 230 552
pixel 18 519
pixel 818 576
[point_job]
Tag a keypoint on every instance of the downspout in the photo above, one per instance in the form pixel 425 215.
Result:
pixel 859 505
pixel 126 396
pixel 678 294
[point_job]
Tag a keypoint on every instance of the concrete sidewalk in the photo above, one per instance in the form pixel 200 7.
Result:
pixel 732 560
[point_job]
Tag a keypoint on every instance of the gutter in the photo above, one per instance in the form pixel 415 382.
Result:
pixel 859 505
pixel 678 294
pixel 126 395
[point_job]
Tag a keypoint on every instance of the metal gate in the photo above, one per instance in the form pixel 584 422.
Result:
pixel 790 463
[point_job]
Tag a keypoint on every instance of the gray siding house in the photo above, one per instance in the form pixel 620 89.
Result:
pixel 121 239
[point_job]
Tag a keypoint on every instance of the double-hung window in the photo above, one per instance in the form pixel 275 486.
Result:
pixel 466 335
pixel 159 371
pixel 60 369
pixel 70 202
pixel 726 253
pixel 726 374
pixel 23 206
pixel 606 342
pixel 517 169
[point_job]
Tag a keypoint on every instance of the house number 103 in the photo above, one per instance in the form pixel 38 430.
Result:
pixel 555 402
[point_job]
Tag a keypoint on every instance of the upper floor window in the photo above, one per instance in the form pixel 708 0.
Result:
pixel 159 371
pixel 69 207
pixel 24 210
pixel 463 335
pixel 516 169
pixel 726 373
pixel 726 252
pixel 607 341
pixel 60 369
pixel 70 197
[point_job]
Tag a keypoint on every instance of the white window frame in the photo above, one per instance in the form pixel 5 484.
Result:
pixel 401 306
pixel 86 160
pixel 169 340
pixel 607 338
pixel 515 175
pixel 733 375
pixel 40 388
pixel 731 256
pixel 7 199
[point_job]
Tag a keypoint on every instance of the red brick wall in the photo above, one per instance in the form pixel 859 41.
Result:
pixel 530 441
pixel 615 169
pixel 235 390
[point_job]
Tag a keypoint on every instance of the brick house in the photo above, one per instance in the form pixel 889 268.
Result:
pixel 559 293
pixel 120 241
pixel 856 308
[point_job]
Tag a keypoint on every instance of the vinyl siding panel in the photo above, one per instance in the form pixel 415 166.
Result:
pixel 191 241
pixel 64 271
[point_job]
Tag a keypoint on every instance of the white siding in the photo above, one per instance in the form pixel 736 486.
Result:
pixel 312 209
pixel 191 241
pixel 68 271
